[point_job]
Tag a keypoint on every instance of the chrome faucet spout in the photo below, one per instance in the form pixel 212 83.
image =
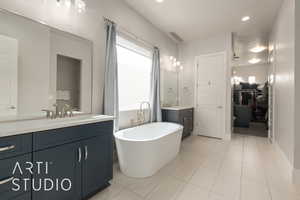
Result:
pixel 143 111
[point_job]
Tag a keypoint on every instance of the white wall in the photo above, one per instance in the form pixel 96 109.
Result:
pixel 283 37
pixel 260 71
pixel 297 90
pixel 187 54
pixel 90 25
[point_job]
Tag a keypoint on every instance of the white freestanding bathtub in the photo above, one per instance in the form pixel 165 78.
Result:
pixel 145 149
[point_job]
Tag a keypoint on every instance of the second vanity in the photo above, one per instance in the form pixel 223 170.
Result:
pixel 58 159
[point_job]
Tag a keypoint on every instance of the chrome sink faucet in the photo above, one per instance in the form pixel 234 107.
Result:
pixel 66 111
pixel 142 113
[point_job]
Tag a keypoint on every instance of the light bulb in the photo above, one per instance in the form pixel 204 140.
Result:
pixel 68 3
pixel 246 18
pixel 58 3
pixel 254 61
pixel 258 49
pixel 81 5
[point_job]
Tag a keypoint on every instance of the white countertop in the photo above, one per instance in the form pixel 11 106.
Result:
pixel 177 107
pixel 30 126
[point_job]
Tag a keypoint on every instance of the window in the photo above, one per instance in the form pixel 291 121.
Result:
pixel 134 71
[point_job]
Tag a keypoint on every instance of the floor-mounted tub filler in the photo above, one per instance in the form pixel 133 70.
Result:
pixel 145 149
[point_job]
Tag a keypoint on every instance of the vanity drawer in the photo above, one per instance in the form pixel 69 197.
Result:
pixel 51 138
pixel 15 145
pixel 6 177
pixel 187 113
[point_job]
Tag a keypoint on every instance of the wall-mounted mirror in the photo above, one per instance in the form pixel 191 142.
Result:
pixel 41 67
pixel 68 82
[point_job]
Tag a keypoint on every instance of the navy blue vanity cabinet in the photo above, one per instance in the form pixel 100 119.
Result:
pixel 185 117
pixel 26 196
pixel 64 162
pixel 97 164
pixel 7 174
pixel 15 145
pixel 13 150
pixel 82 155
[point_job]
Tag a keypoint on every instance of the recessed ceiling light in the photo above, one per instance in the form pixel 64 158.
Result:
pixel 159 1
pixel 258 49
pixel 254 60
pixel 246 18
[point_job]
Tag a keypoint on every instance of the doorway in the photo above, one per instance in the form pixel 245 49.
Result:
pixel 251 100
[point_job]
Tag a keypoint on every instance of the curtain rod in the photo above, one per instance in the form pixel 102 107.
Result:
pixel 130 34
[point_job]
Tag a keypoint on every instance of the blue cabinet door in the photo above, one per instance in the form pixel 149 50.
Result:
pixel 9 171
pixel 64 163
pixel 98 163
pixel 26 196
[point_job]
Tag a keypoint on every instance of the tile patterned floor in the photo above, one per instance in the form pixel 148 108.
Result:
pixel 246 168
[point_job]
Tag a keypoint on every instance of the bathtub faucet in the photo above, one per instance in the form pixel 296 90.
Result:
pixel 142 113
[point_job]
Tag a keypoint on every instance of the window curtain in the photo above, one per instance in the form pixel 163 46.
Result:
pixel 111 94
pixel 156 115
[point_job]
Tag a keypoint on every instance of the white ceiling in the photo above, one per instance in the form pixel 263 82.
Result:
pixel 196 19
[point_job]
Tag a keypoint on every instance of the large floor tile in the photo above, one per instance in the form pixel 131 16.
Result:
pixel 167 190
pixel 127 195
pixel 227 185
pixel 109 193
pixel 204 177
pixel 191 192
pixel 252 190
pixel 145 186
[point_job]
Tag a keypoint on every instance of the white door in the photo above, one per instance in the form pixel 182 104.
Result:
pixel 8 76
pixel 210 95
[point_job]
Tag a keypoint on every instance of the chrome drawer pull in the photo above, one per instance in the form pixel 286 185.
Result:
pixel 86 153
pixel 7 148
pixel 6 181
pixel 79 154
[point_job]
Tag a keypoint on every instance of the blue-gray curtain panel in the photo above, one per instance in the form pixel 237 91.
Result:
pixel 156 115
pixel 111 93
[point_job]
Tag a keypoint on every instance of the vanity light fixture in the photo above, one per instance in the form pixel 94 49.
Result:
pixel 176 63
pixel 254 61
pixel 246 18
pixel 159 1
pixel 80 5
pixel 258 49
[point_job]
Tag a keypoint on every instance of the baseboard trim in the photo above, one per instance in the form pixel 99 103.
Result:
pixel 286 163
pixel 296 177
pixel 227 137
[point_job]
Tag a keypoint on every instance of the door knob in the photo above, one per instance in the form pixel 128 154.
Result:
pixel 220 107
pixel 12 107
